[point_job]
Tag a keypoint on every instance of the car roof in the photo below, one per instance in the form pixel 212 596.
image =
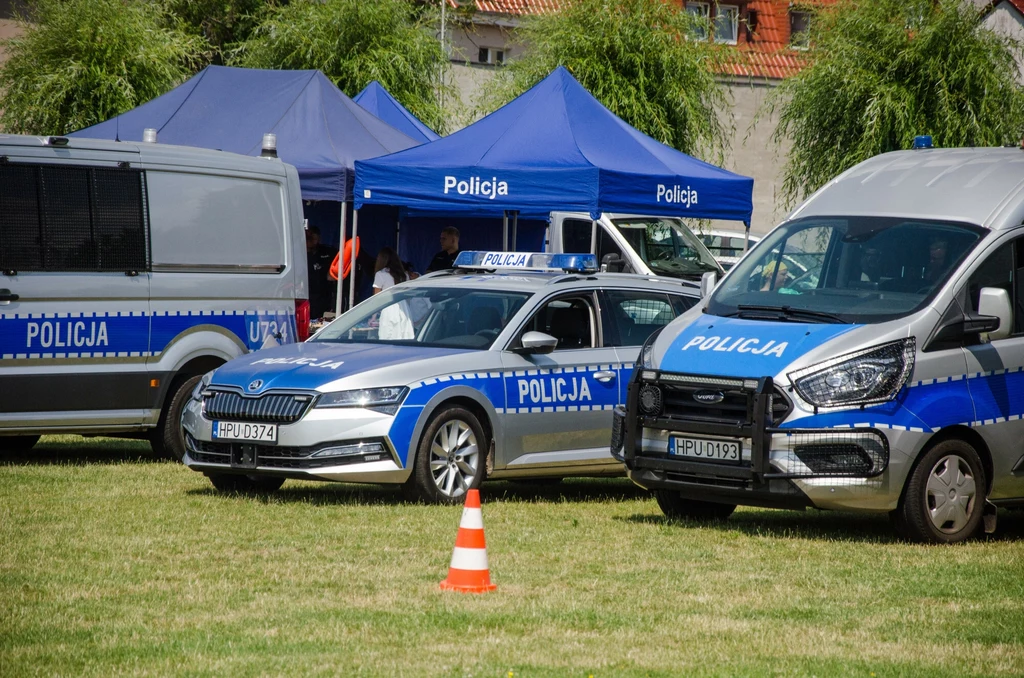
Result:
pixel 983 186
pixel 538 281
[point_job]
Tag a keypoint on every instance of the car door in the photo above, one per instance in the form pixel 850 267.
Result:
pixel 558 405
pixel 629 317
pixel 995 379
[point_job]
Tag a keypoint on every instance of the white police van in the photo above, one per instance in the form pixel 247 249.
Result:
pixel 507 366
pixel 867 355
pixel 127 270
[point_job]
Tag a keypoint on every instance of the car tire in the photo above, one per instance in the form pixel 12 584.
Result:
pixel 945 496
pixel 228 482
pixel 676 507
pixel 450 459
pixel 168 438
pixel 17 443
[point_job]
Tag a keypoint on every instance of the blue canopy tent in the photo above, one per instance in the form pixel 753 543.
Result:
pixel 319 130
pixel 379 101
pixel 553 148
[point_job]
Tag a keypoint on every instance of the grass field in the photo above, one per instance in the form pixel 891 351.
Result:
pixel 111 563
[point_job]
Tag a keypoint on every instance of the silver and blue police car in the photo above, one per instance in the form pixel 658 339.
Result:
pixel 507 366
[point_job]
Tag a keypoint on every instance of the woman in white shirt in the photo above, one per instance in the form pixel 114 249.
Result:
pixel 394 319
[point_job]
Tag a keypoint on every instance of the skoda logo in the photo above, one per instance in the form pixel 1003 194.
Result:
pixel 708 397
pixel 255 385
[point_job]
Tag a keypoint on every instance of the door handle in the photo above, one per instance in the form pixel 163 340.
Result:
pixel 6 296
pixel 604 375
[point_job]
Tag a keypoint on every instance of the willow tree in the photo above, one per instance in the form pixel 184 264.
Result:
pixel 80 62
pixel 640 58
pixel 355 42
pixel 221 22
pixel 883 71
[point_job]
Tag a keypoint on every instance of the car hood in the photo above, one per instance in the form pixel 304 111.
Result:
pixel 736 347
pixel 310 365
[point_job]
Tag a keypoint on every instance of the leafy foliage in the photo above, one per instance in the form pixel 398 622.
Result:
pixel 886 70
pixel 221 22
pixel 634 57
pixel 80 62
pixel 355 42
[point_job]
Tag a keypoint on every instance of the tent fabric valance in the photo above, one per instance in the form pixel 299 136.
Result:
pixel 553 148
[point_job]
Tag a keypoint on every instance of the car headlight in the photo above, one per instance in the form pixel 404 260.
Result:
pixel 874 375
pixel 386 399
pixel 646 357
pixel 197 392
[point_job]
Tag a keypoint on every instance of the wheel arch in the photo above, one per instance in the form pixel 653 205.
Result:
pixel 460 396
pixel 962 433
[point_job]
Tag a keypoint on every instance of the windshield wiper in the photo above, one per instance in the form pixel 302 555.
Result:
pixel 790 312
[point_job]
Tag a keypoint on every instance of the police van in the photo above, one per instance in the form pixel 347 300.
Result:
pixel 127 270
pixel 867 355
pixel 507 366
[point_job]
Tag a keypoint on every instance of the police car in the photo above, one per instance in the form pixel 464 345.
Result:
pixel 507 366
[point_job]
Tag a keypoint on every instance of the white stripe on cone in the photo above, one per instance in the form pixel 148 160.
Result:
pixel 469 559
pixel 472 519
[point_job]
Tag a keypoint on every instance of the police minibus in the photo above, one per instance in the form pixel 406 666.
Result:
pixel 867 355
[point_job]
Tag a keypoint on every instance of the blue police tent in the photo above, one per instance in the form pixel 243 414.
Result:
pixel 555 147
pixel 379 101
pixel 319 130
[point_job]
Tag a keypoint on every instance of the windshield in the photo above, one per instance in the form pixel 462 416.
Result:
pixel 427 316
pixel 725 245
pixel 667 246
pixel 844 269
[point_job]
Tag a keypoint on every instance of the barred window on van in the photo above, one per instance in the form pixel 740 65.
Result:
pixel 61 218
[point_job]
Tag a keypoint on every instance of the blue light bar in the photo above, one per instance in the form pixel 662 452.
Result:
pixel 527 261
pixel 923 141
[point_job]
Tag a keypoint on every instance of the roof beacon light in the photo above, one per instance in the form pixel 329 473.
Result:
pixel 527 261
pixel 923 141
pixel 269 145
pixel 149 136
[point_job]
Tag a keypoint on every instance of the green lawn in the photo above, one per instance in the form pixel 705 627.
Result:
pixel 111 563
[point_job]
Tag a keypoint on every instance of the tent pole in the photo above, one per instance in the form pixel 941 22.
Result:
pixel 341 264
pixel 515 226
pixel 746 235
pixel 398 237
pixel 352 271
pixel 504 231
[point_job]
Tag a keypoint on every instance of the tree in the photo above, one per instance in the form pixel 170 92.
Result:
pixel 80 62
pixel 638 58
pixel 355 42
pixel 221 22
pixel 883 71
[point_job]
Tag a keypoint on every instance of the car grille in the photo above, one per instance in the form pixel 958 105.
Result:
pixel 736 407
pixel 270 408
pixel 268 456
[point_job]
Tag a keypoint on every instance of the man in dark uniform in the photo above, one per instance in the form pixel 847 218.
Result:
pixel 318 263
pixel 449 250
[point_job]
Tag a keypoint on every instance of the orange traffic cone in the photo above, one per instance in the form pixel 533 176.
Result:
pixel 468 571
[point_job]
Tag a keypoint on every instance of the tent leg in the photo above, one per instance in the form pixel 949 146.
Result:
pixel 398 237
pixel 504 231
pixel 515 226
pixel 746 235
pixel 352 271
pixel 341 264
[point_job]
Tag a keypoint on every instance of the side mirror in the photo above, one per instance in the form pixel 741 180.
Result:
pixel 707 283
pixel 537 343
pixel 612 263
pixel 995 302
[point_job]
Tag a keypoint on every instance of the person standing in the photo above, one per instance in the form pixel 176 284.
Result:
pixel 449 250
pixel 318 264
pixel 394 321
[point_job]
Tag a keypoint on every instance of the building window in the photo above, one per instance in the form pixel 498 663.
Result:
pixel 699 12
pixel 726 23
pixel 491 55
pixel 799 29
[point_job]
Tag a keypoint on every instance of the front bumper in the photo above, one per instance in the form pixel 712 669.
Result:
pixel 778 467
pixel 363 434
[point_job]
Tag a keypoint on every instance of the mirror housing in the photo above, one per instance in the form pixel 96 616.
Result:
pixel 612 263
pixel 707 283
pixel 994 302
pixel 536 343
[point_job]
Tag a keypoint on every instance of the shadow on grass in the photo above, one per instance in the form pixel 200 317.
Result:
pixel 79 451
pixel 823 525
pixel 339 494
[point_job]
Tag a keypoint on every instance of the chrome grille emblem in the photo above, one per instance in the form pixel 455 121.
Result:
pixel 708 397
pixel 255 385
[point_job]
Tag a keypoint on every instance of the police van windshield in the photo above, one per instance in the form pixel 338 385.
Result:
pixel 667 246
pixel 844 269
pixel 427 316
